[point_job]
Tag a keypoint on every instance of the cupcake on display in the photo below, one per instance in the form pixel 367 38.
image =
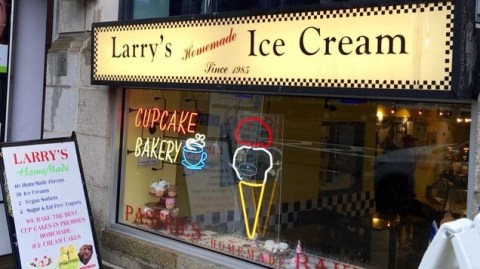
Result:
pixel 172 191
pixel 163 183
pixel 164 214
pixel 147 210
pixel 274 247
pixel 170 203
pixel 160 188
pixel 152 187
pixel 174 212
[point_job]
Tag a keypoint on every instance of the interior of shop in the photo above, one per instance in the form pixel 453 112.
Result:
pixel 357 181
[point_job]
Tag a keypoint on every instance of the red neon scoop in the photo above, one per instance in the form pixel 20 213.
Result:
pixel 254 144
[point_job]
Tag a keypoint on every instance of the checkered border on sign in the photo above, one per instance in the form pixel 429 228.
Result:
pixel 444 84
pixel 322 83
pixel 350 205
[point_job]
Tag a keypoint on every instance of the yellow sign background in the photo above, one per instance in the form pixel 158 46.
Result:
pixel 427 29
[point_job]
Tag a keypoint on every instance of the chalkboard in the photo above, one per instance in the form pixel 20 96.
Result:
pixel 48 211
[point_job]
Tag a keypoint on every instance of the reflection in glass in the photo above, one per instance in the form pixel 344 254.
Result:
pixel 358 185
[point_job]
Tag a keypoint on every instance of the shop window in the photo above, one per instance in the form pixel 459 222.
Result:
pixel 292 181
pixel 142 9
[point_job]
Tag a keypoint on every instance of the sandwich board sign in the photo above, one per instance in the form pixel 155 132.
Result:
pixel 455 246
pixel 48 211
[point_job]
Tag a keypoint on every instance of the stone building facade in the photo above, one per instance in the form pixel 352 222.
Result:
pixel 72 103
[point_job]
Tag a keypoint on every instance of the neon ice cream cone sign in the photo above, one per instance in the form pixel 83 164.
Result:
pixel 246 170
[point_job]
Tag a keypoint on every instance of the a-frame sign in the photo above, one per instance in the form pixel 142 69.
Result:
pixel 48 211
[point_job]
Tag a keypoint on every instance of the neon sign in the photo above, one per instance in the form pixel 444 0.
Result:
pixel 162 149
pixel 194 154
pixel 253 143
pixel 168 150
pixel 251 233
pixel 245 170
pixel 177 121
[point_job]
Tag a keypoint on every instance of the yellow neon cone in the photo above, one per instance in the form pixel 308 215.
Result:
pixel 251 231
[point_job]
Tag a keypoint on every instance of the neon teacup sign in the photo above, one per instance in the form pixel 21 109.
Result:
pixel 193 152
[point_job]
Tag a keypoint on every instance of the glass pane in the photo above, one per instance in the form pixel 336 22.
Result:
pixel 144 9
pixel 284 180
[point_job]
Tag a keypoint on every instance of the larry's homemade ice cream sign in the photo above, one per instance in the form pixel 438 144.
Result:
pixel 398 47
pixel 48 210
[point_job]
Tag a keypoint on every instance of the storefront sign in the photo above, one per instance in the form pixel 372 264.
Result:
pixel 382 47
pixel 47 207
pixel 168 150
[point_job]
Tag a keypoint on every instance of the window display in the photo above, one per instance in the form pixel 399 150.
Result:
pixel 292 182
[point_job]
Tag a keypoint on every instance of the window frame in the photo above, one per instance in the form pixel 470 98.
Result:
pixel 210 254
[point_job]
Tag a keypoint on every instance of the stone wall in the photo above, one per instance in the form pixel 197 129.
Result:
pixel 72 104
pixel 476 147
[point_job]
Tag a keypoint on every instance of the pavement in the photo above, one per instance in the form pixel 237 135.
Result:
pixel 6 262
